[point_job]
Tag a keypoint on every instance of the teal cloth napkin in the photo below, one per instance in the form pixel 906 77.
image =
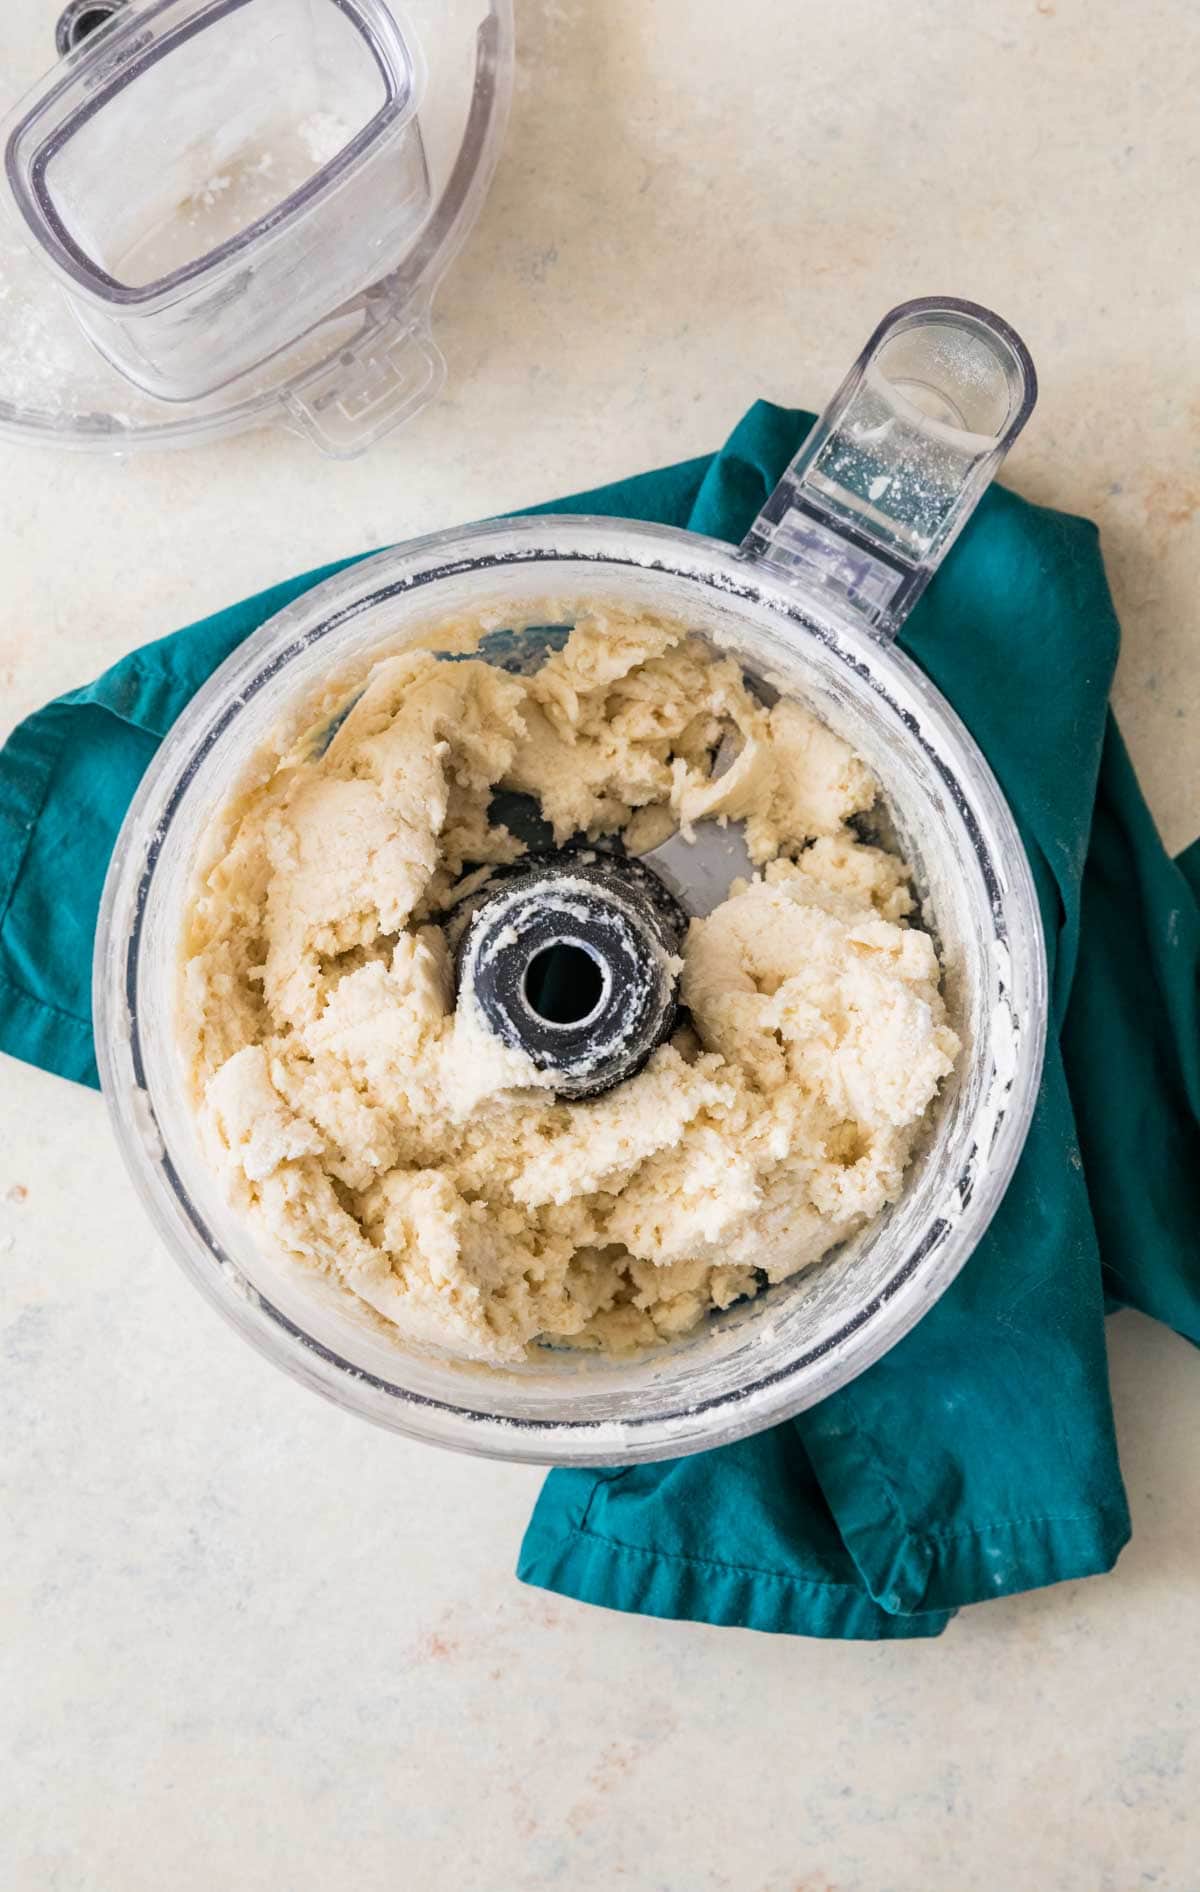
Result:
pixel 978 1457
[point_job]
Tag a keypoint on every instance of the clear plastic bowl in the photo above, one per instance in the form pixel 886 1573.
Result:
pixel 760 1361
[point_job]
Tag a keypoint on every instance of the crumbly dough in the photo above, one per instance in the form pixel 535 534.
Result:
pixel 370 1130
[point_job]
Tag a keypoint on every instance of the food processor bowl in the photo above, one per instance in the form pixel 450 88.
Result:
pixel 816 629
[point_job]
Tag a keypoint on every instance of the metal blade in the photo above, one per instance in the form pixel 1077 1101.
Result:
pixel 700 872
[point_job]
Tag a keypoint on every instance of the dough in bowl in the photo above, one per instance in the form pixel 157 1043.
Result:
pixel 367 1128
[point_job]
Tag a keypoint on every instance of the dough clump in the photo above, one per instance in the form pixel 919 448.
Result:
pixel 371 1131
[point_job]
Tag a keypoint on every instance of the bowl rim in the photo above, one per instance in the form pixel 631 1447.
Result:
pixel 811 1374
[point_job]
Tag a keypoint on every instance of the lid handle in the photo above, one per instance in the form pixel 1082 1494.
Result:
pixel 897 463
pixel 391 369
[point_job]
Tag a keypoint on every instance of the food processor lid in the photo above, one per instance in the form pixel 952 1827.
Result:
pixel 419 103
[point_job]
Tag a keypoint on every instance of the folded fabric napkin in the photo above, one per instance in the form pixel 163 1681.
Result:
pixel 978 1457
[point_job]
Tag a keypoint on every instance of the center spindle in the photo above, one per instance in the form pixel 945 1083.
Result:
pixel 572 958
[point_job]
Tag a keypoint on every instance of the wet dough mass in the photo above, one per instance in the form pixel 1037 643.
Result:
pixel 369 1130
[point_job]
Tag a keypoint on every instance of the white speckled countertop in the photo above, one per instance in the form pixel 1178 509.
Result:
pixel 249 1642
